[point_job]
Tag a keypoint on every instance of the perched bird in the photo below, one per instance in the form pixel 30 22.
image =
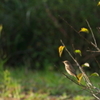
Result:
pixel 69 68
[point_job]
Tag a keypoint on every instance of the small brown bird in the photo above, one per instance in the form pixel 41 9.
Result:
pixel 71 71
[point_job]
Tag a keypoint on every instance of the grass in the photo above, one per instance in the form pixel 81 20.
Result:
pixel 40 85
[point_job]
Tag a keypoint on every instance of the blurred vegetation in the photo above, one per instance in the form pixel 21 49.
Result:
pixel 32 30
pixel 40 85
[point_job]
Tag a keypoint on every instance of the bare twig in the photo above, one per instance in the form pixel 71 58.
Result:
pixel 95 46
pixel 93 51
pixel 91 32
pixel 94 56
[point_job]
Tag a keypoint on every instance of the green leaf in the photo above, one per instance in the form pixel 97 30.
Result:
pixel 95 74
pixel 79 52
pixel 86 65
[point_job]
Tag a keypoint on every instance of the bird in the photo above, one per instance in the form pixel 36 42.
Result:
pixel 69 68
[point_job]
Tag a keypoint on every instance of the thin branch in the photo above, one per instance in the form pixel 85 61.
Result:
pixel 94 56
pixel 93 51
pixel 91 33
pixel 95 46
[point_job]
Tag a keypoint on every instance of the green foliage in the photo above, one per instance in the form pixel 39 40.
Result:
pixel 78 52
pixel 31 33
pixel 83 98
pixel 39 85
pixel 95 74
pixel 10 88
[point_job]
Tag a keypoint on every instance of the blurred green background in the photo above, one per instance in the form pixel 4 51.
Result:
pixel 32 30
